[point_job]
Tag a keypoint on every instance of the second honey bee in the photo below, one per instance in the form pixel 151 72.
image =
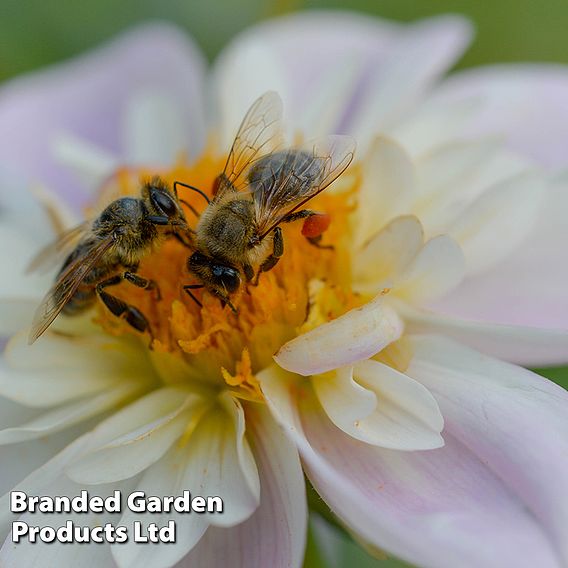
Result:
pixel 104 252
pixel 239 235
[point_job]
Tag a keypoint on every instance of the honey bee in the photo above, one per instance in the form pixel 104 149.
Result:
pixel 261 187
pixel 104 252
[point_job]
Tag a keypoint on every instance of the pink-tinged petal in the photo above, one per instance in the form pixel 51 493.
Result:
pixel 513 420
pixel 88 97
pixel 416 59
pixel 522 345
pixel 526 103
pixel 352 337
pixel 298 56
pixel 432 508
pixel 527 288
pixel 275 535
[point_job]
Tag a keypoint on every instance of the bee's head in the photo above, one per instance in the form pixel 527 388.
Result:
pixel 216 276
pixel 163 205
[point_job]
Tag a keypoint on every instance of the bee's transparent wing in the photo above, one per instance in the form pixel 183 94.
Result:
pixel 285 181
pixel 56 252
pixel 66 285
pixel 259 134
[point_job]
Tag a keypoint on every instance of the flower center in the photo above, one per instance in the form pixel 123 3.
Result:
pixel 308 286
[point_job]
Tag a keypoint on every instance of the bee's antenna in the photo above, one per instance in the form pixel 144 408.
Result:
pixel 196 189
pixel 190 207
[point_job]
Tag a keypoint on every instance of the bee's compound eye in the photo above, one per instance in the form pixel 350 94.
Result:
pixel 162 201
pixel 227 277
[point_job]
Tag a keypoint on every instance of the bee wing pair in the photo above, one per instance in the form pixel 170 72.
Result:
pixel 290 178
pixel 70 279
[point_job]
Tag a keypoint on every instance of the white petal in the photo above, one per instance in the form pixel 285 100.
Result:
pixel 214 458
pixel 344 400
pixel 498 221
pixel 161 479
pixel 134 438
pixel 407 416
pixel 528 346
pixel 354 336
pixel 58 368
pixel 387 254
pixel 438 268
pixel 154 131
pixel 275 534
pixel 387 189
pixel 528 287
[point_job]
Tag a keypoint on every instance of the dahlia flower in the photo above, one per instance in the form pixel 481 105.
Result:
pixel 386 368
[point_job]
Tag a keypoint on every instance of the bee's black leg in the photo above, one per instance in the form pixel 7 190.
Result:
pixel 190 287
pixel 316 242
pixel 302 214
pixel 144 283
pixel 133 316
pixel 277 252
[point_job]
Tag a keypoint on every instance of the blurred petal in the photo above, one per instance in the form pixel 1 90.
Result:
pixel 298 55
pixel 498 221
pixel 88 95
pixel 527 288
pixel 514 421
pixel 522 345
pixel 417 58
pixel 526 103
pixel 155 132
pixel 431 508
pixel 352 337
pixel 276 532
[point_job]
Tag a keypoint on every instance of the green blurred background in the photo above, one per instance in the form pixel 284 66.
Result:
pixel 34 33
